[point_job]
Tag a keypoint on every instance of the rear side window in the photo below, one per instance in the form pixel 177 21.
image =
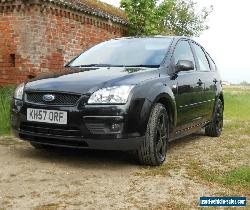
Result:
pixel 183 52
pixel 202 59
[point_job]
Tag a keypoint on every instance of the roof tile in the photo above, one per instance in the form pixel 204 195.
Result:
pixel 92 7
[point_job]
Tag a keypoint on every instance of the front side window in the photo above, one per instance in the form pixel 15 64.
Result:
pixel 202 59
pixel 183 52
pixel 125 52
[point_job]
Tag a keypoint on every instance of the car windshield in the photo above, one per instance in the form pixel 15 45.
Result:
pixel 125 52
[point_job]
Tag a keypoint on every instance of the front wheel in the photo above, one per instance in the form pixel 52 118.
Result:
pixel 154 147
pixel 214 129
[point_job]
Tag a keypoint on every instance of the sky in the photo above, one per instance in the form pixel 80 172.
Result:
pixel 228 38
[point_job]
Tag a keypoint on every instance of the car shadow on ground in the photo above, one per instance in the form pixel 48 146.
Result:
pixel 95 158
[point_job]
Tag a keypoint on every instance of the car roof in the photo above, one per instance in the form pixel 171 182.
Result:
pixel 156 36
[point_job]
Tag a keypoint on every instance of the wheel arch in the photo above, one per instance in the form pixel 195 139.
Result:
pixel 218 96
pixel 169 103
pixel 158 93
pixel 221 97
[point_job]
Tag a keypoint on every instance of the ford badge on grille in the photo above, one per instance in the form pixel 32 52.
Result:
pixel 48 98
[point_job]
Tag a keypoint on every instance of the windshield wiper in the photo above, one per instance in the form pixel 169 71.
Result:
pixel 98 65
pixel 113 65
pixel 145 65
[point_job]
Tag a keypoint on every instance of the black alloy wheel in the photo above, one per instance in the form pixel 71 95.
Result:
pixel 214 129
pixel 153 150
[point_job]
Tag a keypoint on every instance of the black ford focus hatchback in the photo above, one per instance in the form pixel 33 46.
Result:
pixel 130 94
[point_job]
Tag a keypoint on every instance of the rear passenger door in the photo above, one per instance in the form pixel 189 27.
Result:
pixel 207 75
pixel 189 89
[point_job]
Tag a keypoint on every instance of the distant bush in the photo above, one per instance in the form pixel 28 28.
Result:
pixel 245 83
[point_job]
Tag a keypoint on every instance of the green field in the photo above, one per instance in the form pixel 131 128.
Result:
pixel 237 103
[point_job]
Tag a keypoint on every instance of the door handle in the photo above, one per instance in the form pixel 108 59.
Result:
pixel 200 83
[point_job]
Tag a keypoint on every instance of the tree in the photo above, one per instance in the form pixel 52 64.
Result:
pixel 170 17
pixel 142 15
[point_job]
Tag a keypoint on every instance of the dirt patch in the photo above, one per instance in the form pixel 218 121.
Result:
pixel 82 179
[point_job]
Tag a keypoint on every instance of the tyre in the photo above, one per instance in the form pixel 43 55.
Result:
pixel 153 150
pixel 214 129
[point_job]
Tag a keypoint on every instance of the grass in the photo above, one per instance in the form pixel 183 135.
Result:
pixel 237 103
pixel 163 170
pixel 51 206
pixel 106 7
pixel 236 178
pixel 239 176
pixel 236 138
pixel 9 140
pixel 5 106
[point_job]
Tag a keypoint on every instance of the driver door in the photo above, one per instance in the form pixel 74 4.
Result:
pixel 189 89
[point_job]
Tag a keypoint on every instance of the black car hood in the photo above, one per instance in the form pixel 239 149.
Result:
pixel 88 80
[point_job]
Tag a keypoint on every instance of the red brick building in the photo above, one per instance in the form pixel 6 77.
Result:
pixel 38 36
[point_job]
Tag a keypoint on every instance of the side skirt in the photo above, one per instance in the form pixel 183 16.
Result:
pixel 187 131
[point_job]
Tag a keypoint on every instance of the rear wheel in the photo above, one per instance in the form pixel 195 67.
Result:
pixel 154 147
pixel 214 129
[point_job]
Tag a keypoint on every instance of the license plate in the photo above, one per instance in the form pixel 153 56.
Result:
pixel 47 116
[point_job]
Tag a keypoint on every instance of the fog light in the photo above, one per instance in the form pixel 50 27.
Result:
pixel 18 103
pixel 115 127
pixel 17 106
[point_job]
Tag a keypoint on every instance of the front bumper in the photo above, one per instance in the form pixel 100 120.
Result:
pixel 94 127
pixel 103 144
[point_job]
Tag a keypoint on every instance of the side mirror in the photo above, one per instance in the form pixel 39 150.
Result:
pixel 184 65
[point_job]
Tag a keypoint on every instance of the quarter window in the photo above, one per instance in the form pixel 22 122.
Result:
pixel 183 52
pixel 202 59
pixel 211 62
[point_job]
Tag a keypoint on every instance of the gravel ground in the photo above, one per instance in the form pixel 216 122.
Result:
pixel 81 179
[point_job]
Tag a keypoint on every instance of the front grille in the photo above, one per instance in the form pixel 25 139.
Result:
pixel 54 130
pixel 60 98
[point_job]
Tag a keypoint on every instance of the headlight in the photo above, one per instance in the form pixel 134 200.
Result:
pixel 19 92
pixel 111 95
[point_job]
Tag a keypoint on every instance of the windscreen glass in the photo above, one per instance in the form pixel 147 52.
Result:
pixel 125 52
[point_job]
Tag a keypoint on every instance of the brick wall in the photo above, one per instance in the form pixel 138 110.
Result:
pixel 36 37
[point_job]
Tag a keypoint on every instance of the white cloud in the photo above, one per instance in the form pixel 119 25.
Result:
pixel 228 39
